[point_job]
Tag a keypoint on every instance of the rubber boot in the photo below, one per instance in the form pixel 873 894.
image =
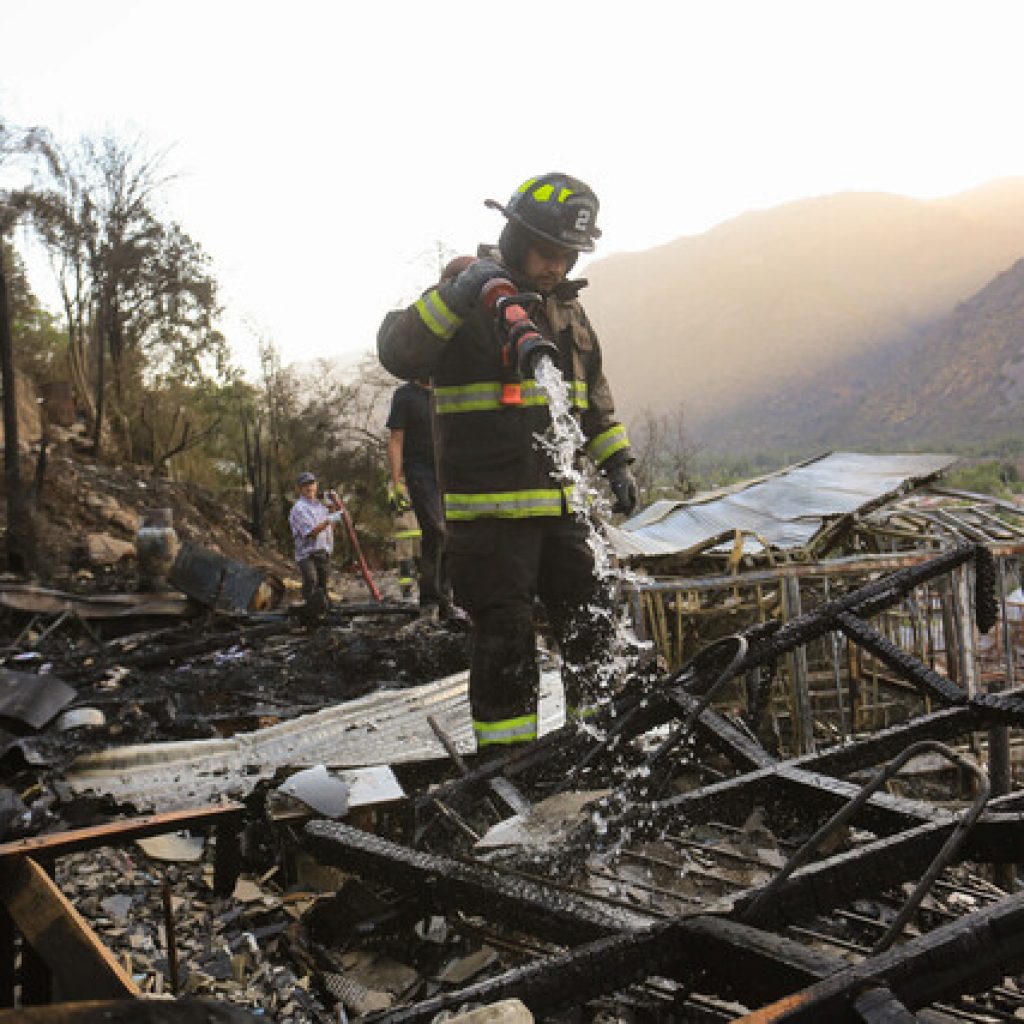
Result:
pixel 504 680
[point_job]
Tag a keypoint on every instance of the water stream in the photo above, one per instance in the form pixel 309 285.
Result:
pixel 562 441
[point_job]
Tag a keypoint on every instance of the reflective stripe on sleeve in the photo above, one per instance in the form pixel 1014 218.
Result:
pixel 602 447
pixel 440 320
pixel 407 534
pixel 511 730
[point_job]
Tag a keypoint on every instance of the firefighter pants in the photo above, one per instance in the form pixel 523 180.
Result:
pixel 426 504
pixel 498 567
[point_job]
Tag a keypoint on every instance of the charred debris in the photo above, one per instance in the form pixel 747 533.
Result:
pixel 212 813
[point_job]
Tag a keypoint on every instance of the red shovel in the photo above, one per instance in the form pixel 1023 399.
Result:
pixel 363 567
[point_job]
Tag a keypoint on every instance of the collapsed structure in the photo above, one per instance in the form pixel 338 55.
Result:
pixel 720 842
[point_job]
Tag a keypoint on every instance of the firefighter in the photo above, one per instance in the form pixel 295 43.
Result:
pixel 407 536
pixel 413 485
pixel 512 535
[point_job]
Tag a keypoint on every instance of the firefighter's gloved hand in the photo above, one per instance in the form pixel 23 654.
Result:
pixel 623 485
pixel 398 498
pixel 461 294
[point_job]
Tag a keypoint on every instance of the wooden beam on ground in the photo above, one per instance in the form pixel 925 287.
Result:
pixel 113 833
pixel 81 966
pixel 131 1011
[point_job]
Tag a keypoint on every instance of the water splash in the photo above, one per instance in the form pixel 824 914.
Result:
pixel 562 441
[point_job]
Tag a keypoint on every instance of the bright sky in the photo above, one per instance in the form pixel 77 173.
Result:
pixel 325 148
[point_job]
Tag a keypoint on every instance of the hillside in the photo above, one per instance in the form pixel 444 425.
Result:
pixel 955 385
pixel 960 384
pixel 729 319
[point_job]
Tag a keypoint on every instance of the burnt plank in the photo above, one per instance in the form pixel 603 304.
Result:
pixel 57 844
pixel 963 956
pixel 997 838
pixel 834 881
pixel 882 811
pixel 80 964
pixel 536 907
pixel 888 743
pixel 880 1006
pixel 865 601
pixel 716 730
pixel 903 663
pixel 736 957
pixel 808 795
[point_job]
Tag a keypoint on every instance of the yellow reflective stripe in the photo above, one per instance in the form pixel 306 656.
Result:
pixel 507 504
pixel 407 534
pixel 510 730
pixel 577 714
pixel 440 320
pixel 545 192
pixel 403 580
pixel 603 446
pixel 484 395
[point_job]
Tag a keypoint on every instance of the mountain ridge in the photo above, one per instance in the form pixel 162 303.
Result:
pixel 731 317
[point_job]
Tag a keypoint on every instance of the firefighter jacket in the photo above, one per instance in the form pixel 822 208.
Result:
pixel 490 464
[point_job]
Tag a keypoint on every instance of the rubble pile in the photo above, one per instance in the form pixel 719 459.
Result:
pixel 226 948
pixel 651 861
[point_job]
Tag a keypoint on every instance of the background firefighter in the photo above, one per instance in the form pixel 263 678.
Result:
pixel 413 483
pixel 512 535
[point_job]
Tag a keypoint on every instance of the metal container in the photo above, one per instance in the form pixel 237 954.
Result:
pixel 218 582
pixel 157 547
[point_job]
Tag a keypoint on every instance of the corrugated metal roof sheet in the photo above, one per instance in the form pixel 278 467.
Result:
pixel 382 728
pixel 785 510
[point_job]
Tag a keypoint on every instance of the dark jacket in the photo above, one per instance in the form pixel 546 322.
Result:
pixel 490 464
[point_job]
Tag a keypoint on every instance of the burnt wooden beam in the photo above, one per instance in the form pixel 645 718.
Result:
pixel 865 601
pixel 883 812
pixel 81 966
pixel 997 838
pixel 58 844
pixel 880 1006
pixel 967 955
pixel 718 732
pixel 888 743
pixel 784 788
pixel 884 864
pixel 927 680
pixel 834 881
pixel 539 908
pixel 740 957
pixel 838 880
pixel 713 953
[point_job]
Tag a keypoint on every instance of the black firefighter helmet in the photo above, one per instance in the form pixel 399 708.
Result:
pixel 555 208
